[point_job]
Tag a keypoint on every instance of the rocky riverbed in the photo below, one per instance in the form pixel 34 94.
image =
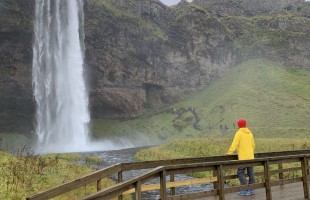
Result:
pixel 127 155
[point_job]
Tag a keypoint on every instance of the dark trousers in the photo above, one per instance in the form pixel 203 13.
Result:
pixel 241 175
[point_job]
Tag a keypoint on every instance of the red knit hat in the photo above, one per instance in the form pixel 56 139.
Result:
pixel 241 123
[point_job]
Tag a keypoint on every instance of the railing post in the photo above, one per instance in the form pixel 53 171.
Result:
pixel 120 179
pixel 308 170
pixel 98 185
pixel 138 191
pixel 304 166
pixel 172 190
pixel 267 180
pixel 280 166
pixel 215 184
pixel 220 181
pixel 163 185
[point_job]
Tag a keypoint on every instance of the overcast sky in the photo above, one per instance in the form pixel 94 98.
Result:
pixel 172 2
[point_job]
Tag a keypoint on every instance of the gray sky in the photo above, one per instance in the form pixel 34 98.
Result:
pixel 172 2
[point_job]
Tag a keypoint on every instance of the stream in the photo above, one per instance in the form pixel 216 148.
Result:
pixel 126 156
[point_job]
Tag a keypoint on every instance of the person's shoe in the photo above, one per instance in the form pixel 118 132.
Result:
pixel 244 193
pixel 252 192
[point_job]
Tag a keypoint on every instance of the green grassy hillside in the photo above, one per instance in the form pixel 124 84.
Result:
pixel 274 99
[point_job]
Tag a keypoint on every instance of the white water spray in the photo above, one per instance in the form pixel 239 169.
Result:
pixel 59 87
pixel 58 80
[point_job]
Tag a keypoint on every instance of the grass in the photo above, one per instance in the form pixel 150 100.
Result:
pixel 126 18
pixel 214 146
pixel 204 147
pixel 10 140
pixel 253 35
pixel 93 160
pixel 265 93
pixel 274 99
pixel 26 174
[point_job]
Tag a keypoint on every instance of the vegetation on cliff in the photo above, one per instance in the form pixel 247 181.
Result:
pixel 109 12
pixel 277 36
pixel 15 16
pixel 274 99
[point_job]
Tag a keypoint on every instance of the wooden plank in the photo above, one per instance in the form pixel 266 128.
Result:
pixel 267 181
pixel 163 189
pixel 172 189
pixel 124 186
pixel 304 163
pixel 244 187
pixel 61 189
pixel 174 184
pixel 240 163
pixel 280 160
pixel 215 185
pixel 280 167
pixel 286 181
pixel 195 195
pixel 282 153
pixel 153 164
pixel 286 192
pixel 235 176
pixel 191 168
pixel 119 180
pixel 220 182
pixel 99 185
pixel 138 191
pixel 278 171
pixel 229 177
pixel 110 193
pixel 237 164
pixel 190 165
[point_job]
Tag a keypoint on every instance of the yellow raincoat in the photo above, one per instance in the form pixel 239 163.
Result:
pixel 244 144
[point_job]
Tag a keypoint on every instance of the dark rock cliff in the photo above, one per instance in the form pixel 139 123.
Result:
pixel 148 53
pixel 16 99
pixel 141 53
pixel 276 29
pixel 250 7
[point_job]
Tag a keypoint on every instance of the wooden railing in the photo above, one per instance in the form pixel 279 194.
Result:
pixel 217 166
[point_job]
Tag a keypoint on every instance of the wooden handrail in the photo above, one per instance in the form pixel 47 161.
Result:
pixel 91 178
pixel 126 185
pixel 219 166
pixel 122 167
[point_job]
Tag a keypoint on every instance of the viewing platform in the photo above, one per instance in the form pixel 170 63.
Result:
pixel 293 191
pixel 279 175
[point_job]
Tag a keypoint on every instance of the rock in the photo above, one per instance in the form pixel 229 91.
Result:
pixel 143 53
pixel 250 7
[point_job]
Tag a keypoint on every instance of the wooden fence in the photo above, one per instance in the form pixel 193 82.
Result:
pixel 218 167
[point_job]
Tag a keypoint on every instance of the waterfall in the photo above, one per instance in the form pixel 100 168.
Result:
pixel 60 92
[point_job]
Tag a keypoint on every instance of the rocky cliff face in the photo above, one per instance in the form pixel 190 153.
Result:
pixel 141 53
pixel 16 102
pixel 250 7
pixel 145 53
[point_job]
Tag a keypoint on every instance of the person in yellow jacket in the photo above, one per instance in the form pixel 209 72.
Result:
pixel 244 144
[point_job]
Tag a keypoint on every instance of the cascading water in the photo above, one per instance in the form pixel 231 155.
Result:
pixel 59 87
pixel 58 80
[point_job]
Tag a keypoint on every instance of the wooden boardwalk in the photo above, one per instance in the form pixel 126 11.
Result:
pixel 293 191
pixel 282 175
